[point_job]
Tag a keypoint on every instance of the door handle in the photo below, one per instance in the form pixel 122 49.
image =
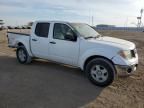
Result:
pixel 52 42
pixel 34 39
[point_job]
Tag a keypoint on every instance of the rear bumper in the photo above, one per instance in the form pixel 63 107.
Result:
pixel 126 70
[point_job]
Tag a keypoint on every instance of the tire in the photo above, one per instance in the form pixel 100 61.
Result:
pixel 100 72
pixel 22 55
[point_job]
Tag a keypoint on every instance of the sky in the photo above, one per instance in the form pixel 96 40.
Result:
pixel 113 12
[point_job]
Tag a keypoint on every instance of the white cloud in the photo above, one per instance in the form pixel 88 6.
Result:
pixel 104 11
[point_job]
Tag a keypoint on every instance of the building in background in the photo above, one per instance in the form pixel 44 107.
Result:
pixel 1 24
pixel 105 25
pixel 113 27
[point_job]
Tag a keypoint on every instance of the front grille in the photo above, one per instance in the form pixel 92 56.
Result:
pixel 133 53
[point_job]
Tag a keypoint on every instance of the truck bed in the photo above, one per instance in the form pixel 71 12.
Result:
pixel 26 34
pixel 13 38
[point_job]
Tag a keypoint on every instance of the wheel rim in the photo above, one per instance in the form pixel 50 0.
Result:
pixel 99 73
pixel 22 55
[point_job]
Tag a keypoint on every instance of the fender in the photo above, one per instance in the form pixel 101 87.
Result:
pixel 26 43
pixel 94 52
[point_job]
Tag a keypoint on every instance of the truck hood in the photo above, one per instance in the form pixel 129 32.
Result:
pixel 115 42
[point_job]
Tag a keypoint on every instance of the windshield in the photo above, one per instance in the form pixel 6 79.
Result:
pixel 85 30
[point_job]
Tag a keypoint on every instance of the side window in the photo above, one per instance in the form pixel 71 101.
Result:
pixel 63 32
pixel 42 29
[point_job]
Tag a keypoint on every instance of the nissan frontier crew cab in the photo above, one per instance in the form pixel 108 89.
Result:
pixel 102 58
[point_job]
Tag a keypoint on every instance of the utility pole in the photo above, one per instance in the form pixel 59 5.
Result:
pixel 141 11
pixel 92 20
pixel 140 19
pixel 126 22
pixel 91 17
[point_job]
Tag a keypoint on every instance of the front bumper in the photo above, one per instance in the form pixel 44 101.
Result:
pixel 125 70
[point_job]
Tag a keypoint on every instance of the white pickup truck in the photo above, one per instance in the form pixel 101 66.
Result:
pixel 78 45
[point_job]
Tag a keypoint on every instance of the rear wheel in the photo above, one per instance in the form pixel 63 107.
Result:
pixel 100 72
pixel 22 55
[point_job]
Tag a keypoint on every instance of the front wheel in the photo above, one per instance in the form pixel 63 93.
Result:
pixel 100 72
pixel 22 55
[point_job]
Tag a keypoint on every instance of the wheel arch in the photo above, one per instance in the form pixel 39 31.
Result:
pixel 23 58
pixel 26 45
pixel 93 57
pixel 20 44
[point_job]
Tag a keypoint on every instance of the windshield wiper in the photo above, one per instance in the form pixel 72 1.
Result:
pixel 98 35
pixel 89 37
pixel 92 37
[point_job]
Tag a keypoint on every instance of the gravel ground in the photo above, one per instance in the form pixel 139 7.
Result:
pixel 124 92
pixel 48 85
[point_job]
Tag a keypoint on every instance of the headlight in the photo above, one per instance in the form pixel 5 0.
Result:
pixel 126 54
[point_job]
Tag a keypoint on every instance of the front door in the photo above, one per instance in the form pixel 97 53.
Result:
pixel 64 45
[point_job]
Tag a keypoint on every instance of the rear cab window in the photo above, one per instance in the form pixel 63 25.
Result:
pixel 42 29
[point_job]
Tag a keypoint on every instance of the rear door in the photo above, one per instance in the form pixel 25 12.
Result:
pixel 39 40
pixel 61 48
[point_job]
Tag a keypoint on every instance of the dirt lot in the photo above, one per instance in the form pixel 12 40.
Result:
pixel 48 85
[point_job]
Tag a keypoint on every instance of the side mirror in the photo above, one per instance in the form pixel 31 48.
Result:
pixel 70 37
